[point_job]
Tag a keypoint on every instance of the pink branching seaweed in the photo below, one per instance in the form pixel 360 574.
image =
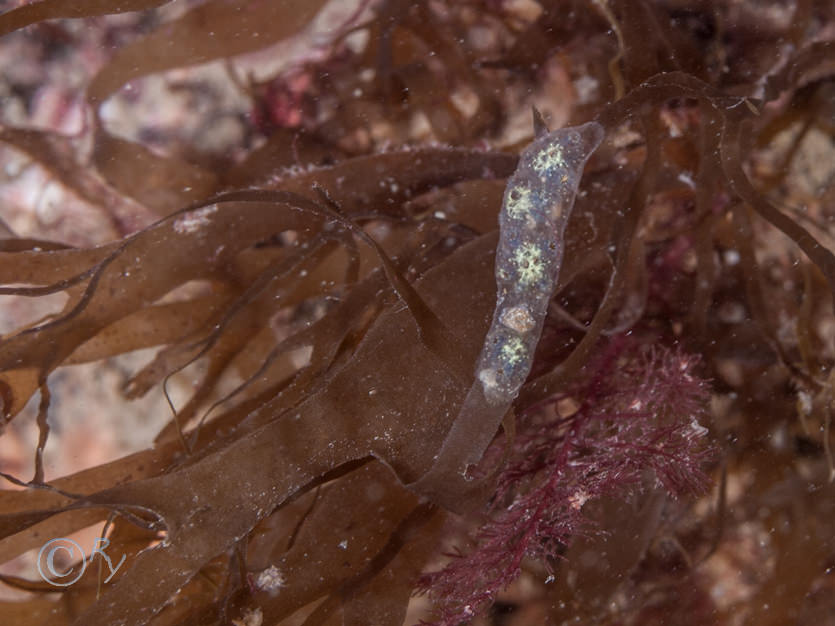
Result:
pixel 636 413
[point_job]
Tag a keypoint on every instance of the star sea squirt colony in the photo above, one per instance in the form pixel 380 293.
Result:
pixel 413 376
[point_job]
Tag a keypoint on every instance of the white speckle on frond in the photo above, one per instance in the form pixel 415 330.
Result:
pixel 687 179
pixel 270 580
pixel 578 499
pixel 194 220
pixel 804 403
pixel 586 88
pixel 697 429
